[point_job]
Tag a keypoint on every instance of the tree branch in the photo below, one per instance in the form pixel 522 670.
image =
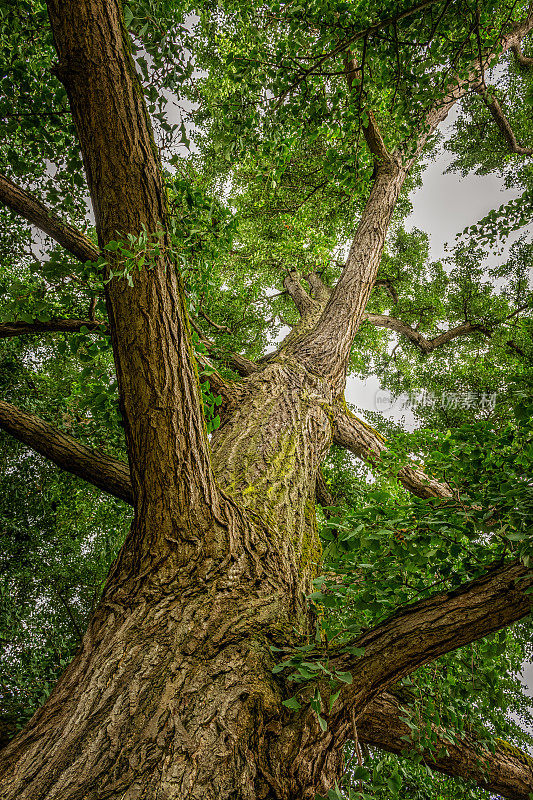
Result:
pixel 345 44
pixel 303 302
pixel 508 771
pixel 366 443
pixel 524 61
pixel 34 211
pixel 422 632
pixel 108 474
pixel 425 345
pixel 8 329
pixel 326 348
pixel 457 89
pixel 502 122
pixel 243 366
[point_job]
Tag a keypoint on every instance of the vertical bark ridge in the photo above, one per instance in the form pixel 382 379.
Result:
pixel 326 349
pixel 172 480
pixel 266 456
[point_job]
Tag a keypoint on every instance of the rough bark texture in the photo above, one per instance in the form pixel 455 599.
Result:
pixel 8 329
pixel 171 695
pixel 25 204
pixel 95 467
pixel 507 771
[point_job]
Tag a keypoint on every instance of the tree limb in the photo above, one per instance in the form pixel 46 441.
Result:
pixel 457 89
pixel 34 211
pixel 8 329
pixel 326 348
pixel 425 630
pixel 366 443
pixel 344 44
pixel 524 61
pixel 425 345
pixel 243 366
pixel 508 771
pixel 492 103
pixel 303 302
pixel 108 474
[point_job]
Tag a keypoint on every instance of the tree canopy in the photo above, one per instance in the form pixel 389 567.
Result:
pixel 289 139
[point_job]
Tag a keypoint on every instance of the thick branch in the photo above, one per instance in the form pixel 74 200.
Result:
pixel 371 131
pixel 460 87
pixel 159 392
pixel 422 632
pixel 326 349
pixel 320 290
pixel 502 122
pixel 524 61
pixel 8 329
pixel 35 212
pixel 106 473
pixel 425 345
pixel 243 366
pixel 366 443
pixel 303 302
pixel 508 771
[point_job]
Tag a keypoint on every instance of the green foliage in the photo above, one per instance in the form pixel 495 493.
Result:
pixel 266 171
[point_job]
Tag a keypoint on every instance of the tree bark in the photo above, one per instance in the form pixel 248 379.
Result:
pixel 508 771
pixel 171 695
pixel 35 212
pixel 108 474
pixel 9 329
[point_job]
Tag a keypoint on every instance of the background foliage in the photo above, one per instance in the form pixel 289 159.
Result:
pixel 267 171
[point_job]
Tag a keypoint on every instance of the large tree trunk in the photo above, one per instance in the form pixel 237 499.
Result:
pixel 172 693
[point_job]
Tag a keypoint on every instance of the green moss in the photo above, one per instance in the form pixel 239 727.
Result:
pixel 515 752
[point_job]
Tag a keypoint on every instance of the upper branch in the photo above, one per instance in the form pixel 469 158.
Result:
pixel 326 348
pixel 507 771
pixel 35 212
pixel 303 302
pixel 426 630
pixel 108 474
pixel 502 122
pixel 457 89
pixel 425 345
pixel 366 443
pixel 524 61
pixel 8 329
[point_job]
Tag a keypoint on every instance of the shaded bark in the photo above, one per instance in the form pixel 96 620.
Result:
pixel 36 212
pixel 8 329
pixel 523 60
pixel 105 472
pixel 172 480
pixel 507 771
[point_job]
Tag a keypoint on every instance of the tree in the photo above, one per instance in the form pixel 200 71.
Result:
pixel 180 687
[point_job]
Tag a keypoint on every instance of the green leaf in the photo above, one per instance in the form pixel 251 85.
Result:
pixel 345 677
pixel 291 703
